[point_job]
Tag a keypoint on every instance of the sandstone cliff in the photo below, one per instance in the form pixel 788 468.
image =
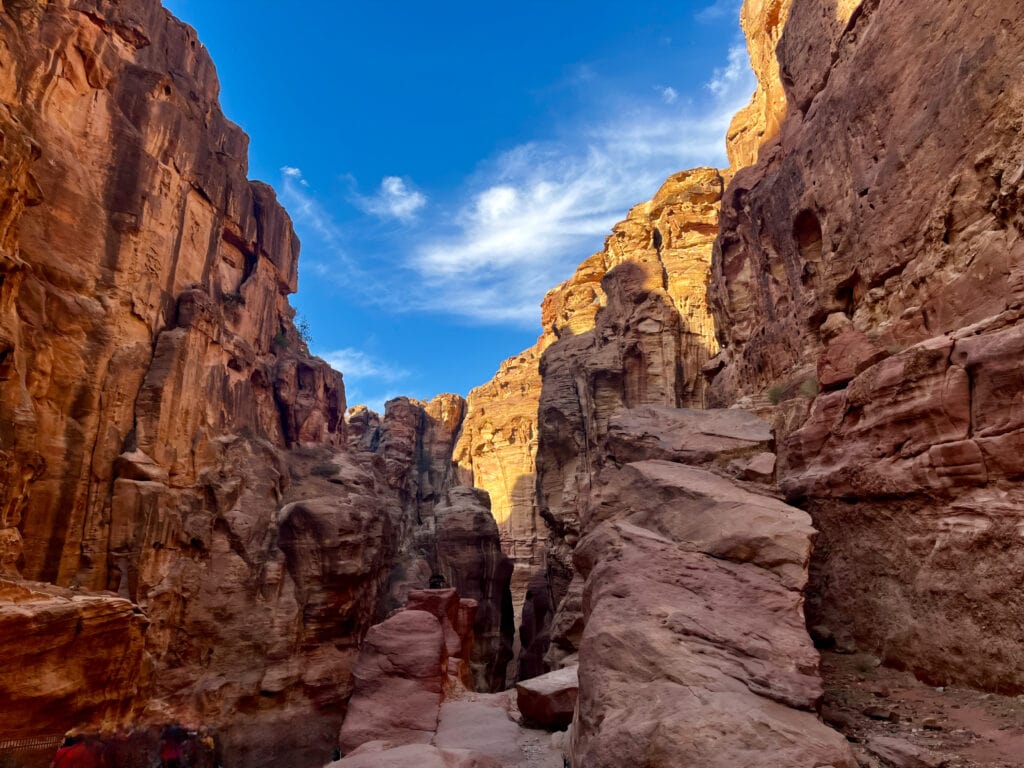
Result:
pixel 874 253
pixel 169 451
pixel 446 532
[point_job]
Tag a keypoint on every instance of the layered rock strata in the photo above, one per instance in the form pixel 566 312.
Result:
pixel 635 355
pixel 447 532
pixel 84 653
pixel 868 275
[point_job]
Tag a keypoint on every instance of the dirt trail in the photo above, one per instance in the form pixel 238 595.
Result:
pixel 895 721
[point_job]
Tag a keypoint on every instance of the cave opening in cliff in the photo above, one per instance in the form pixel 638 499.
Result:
pixel 807 232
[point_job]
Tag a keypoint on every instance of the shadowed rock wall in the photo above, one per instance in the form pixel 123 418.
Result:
pixel 868 282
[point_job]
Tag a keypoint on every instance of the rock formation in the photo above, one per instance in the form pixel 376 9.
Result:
pixel 670 237
pixel 170 454
pixel 874 253
pixel 191 532
pixel 496 451
pixel 399 681
pixel 549 700
pixel 409 707
pixel 85 653
pixel 691 580
pixel 447 532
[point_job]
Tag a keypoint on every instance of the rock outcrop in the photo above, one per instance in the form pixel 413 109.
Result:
pixel 66 652
pixel 153 380
pixel 692 581
pixel 868 275
pixel 399 680
pixel 475 732
pixel 549 700
pixel 447 533
pixel 409 709
pixel 496 451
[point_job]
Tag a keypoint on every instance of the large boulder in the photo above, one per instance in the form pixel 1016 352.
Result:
pixel 398 682
pixel 549 700
pixel 694 659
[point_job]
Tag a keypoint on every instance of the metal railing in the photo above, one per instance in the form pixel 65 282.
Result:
pixel 36 744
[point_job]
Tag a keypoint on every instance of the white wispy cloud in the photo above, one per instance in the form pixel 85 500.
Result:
pixel 534 211
pixel 395 198
pixel 305 209
pixel 329 258
pixel 291 172
pixel 356 364
pixel 719 9
pixel 735 73
pixel 528 216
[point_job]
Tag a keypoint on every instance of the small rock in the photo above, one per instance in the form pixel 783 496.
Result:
pixel 845 644
pixel 931 724
pixel 549 700
pixel 881 713
pixel 902 754
pixel 759 468
pixel 822 636
pixel 835 717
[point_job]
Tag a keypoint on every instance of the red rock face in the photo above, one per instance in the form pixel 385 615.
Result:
pixel 150 303
pixel 874 253
pixel 84 652
pixel 165 435
pixel 441 532
pixel 399 678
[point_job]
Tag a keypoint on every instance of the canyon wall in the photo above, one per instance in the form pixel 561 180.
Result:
pixel 673 577
pixel 176 478
pixel 867 291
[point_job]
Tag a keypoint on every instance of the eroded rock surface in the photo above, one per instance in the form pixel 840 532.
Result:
pixel 693 583
pixel 868 281
pixel 66 652
pixel 549 700
pixel 399 680
pixel 165 435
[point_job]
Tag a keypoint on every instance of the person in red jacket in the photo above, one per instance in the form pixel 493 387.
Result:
pixel 172 747
pixel 77 752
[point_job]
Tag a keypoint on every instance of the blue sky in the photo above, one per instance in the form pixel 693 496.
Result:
pixel 447 163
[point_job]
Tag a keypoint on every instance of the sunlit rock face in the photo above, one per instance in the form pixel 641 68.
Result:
pixel 630 328
pixel 170 454
pixel 153 384
pixel 84 651
pixel 758 123
pixel 668 237
pixel 496 451
pixel 868 282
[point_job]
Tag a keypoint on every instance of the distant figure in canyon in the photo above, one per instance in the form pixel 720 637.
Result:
pixel 172 750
